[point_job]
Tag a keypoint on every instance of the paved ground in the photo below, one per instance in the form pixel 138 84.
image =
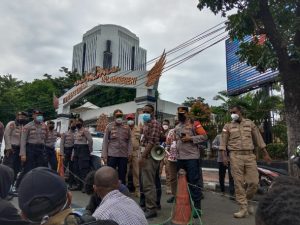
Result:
pixel 217 209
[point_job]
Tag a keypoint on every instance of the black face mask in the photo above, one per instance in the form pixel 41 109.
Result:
pixel 22 121
pixel 73 127
pixel 79 125
pixel 181 117
pixel 51 127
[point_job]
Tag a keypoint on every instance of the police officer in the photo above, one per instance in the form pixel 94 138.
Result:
pixel 134 161
pixel 12 137
pixel 117 146
pixel 188 154
pixel 52 136
pixel 32 147
pixel 83 146
pixel 66 149
pixel 241 136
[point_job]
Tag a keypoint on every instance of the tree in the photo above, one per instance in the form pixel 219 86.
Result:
pixel 280 22
pixel 191 100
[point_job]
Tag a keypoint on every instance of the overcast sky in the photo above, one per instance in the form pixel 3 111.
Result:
pixel 37 37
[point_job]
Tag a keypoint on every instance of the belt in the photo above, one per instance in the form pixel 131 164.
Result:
pixel 36 145
pixel 242 152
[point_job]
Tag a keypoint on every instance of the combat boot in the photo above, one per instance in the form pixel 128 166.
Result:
pixel 250 209
pixel 242 213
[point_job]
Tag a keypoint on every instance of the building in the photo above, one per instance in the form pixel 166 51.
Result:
pixel 107 46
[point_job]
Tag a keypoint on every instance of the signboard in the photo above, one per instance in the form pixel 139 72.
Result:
pixel 240 76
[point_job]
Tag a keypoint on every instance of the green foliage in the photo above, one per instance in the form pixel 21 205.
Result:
pixel 277 150
pixel 191 100
pixel 16 95
pixel 279 131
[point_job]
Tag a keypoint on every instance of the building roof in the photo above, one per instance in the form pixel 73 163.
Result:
pixel 85 107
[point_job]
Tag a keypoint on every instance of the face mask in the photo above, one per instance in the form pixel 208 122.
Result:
pixel 166 127
pixel 130 122
pixel 119 120
pixel 235 117
pixel 51 127
pixel 39 119
pixel 146 117
pixel 73 127
pixel 79 125
pixel 22 121
pixel 181 117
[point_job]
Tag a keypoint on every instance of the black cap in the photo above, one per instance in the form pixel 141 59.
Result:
pixel 22 113
pixel 36 111
pixel 41 192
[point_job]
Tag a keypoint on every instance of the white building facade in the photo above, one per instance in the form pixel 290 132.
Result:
pixel 107 46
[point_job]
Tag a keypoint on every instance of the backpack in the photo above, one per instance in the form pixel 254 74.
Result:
pixel 86 220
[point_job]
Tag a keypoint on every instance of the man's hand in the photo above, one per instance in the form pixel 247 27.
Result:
pixel 225 161
pixel 186 138
pixel 104 160
pixel 129 158
pixel 267 158
pixel 23 158
pixel 142 162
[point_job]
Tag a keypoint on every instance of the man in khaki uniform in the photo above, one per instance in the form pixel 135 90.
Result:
pixel 32 146
pixel 12 137
pixel 134 160
pixel 117 145
pixel 50 142
pixel 240 137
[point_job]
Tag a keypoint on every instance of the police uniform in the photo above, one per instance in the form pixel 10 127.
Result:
pixel 32 145
pixel 83 146
pixel 135 140
pixel 117 147
pixel 240 139
pixel 66 149
pixel 188 155
pixel 12 137
pixel 50 148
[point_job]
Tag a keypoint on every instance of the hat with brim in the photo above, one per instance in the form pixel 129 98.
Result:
pixel 36 111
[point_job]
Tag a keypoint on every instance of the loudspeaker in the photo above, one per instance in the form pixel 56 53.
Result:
pixel 158 153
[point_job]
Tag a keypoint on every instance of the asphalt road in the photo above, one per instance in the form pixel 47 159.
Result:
pixel 217 209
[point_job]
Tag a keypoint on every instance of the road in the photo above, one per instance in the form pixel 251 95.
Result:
pixel 217 210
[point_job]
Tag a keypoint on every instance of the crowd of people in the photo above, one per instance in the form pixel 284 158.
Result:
pixel 31 166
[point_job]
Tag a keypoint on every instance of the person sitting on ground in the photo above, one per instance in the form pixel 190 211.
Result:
pixel 8 213
pixel 281 205
pixel 95 200
pixel 44 198
pixel 114 205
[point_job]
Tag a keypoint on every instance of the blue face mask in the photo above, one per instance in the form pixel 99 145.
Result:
pixel 40 119
pixel 146 117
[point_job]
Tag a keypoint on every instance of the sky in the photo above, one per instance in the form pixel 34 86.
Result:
pixel 37 37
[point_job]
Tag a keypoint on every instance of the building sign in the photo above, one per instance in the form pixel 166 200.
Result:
pixel 99 73
pixel 79 89
pixel 240 76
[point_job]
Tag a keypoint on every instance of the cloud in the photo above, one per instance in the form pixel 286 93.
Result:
pixel 37 37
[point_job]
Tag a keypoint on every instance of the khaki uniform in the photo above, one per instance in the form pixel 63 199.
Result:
pixel 83 146
pixel 66 149
pixel 134 163
pixel 117 147
pixel 188 155
pixel 50 148
pixel 240 139
pixel 12 137
pixel 32 145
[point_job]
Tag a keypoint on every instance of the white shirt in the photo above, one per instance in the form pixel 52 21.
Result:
pixel 121 209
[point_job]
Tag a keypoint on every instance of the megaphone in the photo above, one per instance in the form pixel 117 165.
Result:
pixel 158 153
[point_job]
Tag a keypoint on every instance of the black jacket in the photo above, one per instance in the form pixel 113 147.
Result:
pixel 8 213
